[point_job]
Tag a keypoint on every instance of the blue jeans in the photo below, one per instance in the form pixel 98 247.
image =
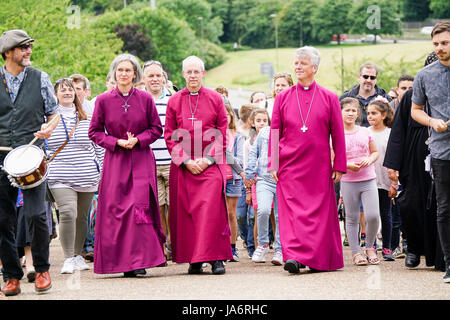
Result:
pixel 266 194
pixel 245 215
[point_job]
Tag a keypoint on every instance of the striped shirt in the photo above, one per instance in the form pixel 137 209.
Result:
pixel 78 165
pixel 159 147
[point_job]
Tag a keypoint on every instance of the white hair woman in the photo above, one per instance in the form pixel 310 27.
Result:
pixel 128 233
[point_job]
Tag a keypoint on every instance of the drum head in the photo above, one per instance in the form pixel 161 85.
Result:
pixel 20 161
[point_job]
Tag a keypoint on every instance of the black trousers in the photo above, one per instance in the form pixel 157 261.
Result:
pixel 34 211
pixel 441 173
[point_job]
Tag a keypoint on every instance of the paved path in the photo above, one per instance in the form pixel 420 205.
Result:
pixel 246 280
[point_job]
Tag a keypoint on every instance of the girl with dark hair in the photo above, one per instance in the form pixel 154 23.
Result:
pixel 380 116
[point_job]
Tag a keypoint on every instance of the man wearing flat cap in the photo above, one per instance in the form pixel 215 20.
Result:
pixel 27 99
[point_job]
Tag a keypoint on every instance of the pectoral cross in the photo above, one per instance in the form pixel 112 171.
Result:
pixel 125 107
pixel 304 128
pixel 192 119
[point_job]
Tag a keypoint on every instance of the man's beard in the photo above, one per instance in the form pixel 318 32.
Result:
pixel 445 57
pixel 22 62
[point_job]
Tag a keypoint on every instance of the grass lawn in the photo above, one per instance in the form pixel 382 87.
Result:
pixel 242 68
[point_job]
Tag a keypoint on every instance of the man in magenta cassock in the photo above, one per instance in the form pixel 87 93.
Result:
pixel 303 120
pixel 128 233
pixel 195 131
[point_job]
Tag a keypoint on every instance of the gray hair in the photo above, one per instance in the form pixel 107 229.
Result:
pixel 126 57
pixel 193 59
pixel 308 51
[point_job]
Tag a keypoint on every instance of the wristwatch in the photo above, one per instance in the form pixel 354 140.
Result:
pixel 209 161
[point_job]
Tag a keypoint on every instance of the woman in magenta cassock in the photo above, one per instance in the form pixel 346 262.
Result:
pixel 128 233
pixel 199 227
pixel 304 119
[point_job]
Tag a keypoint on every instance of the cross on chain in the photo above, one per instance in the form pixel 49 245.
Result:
pixel 125 107
pixel 304 128
pixel 192 119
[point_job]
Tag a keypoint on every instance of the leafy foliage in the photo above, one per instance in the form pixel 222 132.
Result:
pixel 63 45
pixel 135 40
pixel 382 19
pixel 172 38
pixel 440 8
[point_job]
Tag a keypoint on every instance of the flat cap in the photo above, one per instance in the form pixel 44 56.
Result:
pixel 13 38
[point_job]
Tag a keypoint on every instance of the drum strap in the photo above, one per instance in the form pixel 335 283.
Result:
pixel 65 143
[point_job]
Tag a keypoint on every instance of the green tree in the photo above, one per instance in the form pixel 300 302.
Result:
pixel 198 14
pixel 252 24
pixel 222 9
pixel 135 40
pixel 66 42
pixel 172 38
pixel 375 17
pixel 297 15
pixel 416 10
pixel 332 18
pixel 440 8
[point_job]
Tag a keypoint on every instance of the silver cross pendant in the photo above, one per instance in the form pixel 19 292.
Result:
pixel 125 107
pixel 192 119
pixel 304 128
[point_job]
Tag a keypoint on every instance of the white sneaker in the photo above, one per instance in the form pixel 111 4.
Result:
pixel 69 266
pixel 277 258
pixel 80 263
pixel 260 252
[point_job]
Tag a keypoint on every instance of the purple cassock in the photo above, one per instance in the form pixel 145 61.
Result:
pixel 128 233
pixel 307 209
pixel 199 227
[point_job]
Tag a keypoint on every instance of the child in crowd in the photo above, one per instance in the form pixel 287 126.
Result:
pixel 245 213
pixel 359 184
pixel 266 189
pixel 257 121
pixel 235 173
pixel 380 116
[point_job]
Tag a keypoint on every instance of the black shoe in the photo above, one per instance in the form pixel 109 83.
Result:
pixel 195 268
pixel 293 266
pixel 312 270
pixel 134 273
pixel 218 267
pixel 412 260
pixel 447 276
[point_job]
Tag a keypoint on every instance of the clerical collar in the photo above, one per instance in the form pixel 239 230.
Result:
pixel 194 93
pixel 125 94
pixel 307 88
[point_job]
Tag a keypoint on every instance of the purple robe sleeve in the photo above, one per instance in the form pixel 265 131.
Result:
pixel 337 135
pixel 97 128
pixel 154 130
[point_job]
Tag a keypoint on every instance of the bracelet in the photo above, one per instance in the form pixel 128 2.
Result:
pixel 247 192
pixel 395 187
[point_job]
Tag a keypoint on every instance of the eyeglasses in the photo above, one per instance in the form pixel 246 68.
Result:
pixel 150 62
pixel 365 76
pixel 25 47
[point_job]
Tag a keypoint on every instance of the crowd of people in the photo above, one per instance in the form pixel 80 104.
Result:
pixel 145 173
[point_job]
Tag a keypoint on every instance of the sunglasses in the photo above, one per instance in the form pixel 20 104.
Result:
pixel 148 63
pixel 365 76
pixel 25 47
